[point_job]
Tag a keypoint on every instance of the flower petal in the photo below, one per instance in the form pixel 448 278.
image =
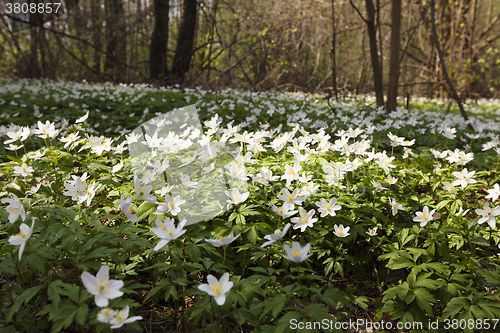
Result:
pixel 103 273
pixel 90 282
pixel 101 300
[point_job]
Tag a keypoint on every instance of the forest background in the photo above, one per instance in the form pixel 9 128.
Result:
pixel 332 46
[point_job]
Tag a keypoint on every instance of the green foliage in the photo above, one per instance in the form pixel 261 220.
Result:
pixel 446 270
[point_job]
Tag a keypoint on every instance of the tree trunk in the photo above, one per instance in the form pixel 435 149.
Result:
pixel 377 69
pixel 392 91
pixel 114 65
pixel 185 42
pixel 34 71
pixel 159 40
pixel 443 66
pixel 95 9
pixel 334 62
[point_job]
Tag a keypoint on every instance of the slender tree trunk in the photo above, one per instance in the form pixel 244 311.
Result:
pixel 34 70
pixel 392 91
pixel 334 62
pixel 211 39
pixel 116 45
pixel 443 66
pixel 377 69
pixel 159 40
pixel 185 42
pixel 95 9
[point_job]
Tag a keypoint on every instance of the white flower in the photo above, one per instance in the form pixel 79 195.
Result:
pixel 305 220
pixel 188 160
pixel 14 147
pixel 395 140
pixel 21 135
pixel 222 240
pixel 385 163
pixel 372 232
pixel 15 209
pixel 493 193
pixel 448 186
pixel 83 118
pixel 143 192
pixel 117 167
pixel 105 315
pixel 35 155
pixel 290 199
pixel 391 180
pixel 170 205
pixel 278 234
pixel 378 185
pixel 464 178
pixel 424 216
pixel 33 189
pixel 395 206
pixel 449 133
pixel 291 173
pixel 461 212
pixel 70 139
pixel 89 193
pixel 217 288
pixel 47 130
pixel 236 197
pixel 101 286
pixel 341 231
pixel 125 205
pixel 23 235
pixel 167 231
pixel 488 214
pixel 164 190
pixel 265 176
pixel 186 181
pixel 309 189
pixel 120 318
pixel 283 211
pixel 76 188
pixel 438 154
pixel 327 207
pixel 236 171
pixel 23 170
pixel 297 253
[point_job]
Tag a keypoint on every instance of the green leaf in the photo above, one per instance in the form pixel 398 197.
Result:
pixel 24 298
pixel 145 209
pixel 54 291
pixel 275 305
pixel 424 298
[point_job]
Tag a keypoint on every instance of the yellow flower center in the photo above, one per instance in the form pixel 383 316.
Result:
pixel 327 206
pixel 341 232
pixel 290 197
pixel 425 216
pixel 217 288
pixel 296 253
pixel 103 286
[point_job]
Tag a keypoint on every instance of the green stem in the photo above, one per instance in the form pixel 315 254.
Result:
pixel 224 259
pixel 243 271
